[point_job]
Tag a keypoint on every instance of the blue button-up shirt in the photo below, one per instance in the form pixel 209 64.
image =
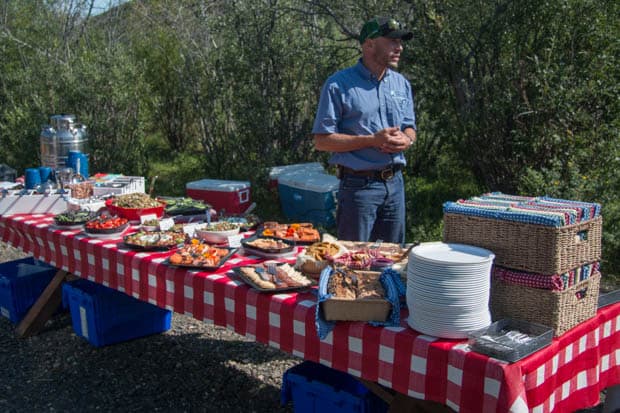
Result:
pixel 353 101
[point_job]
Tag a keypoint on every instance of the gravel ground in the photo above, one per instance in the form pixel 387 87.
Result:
pixel 193 367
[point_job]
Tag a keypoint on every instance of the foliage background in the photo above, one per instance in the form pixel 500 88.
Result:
pixel 520 97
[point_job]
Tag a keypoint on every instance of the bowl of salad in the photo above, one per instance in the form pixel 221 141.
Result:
pixel 218 232
pixel 132 206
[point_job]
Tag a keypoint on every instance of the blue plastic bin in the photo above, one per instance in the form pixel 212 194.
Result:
pixel 104 316
pixel 315 388
pixel 21 283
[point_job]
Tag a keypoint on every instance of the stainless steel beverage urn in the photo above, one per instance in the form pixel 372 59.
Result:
pixel 62 135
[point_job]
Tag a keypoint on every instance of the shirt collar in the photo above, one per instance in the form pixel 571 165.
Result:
pixel 367 74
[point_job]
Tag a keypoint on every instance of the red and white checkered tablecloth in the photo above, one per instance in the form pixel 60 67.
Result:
pixel 567 375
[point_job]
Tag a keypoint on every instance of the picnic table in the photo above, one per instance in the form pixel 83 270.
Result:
pixel 565 376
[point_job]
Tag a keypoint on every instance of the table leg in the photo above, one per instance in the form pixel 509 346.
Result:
pixel 400 403
pixel 45 306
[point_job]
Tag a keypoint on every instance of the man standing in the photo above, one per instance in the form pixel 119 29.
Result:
pixel 365 118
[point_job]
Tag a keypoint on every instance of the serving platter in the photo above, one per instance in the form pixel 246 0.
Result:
pixel 111 231
pixel 222 261
pixel 152 241
pixel 110 235
pixel 67 227
pixel 246 279
pixel 271 245
pixel 262 254
pixel 285 231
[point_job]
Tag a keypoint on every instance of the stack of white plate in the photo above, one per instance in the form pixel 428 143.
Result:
pixel 448 289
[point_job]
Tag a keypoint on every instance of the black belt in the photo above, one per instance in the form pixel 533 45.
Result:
pixel 381 174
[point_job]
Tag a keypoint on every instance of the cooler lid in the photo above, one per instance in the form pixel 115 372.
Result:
pixel 311 181
pixel 218 185
pixel 276 171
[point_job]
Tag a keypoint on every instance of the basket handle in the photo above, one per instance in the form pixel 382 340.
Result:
pixel 581 294
pixel 581 236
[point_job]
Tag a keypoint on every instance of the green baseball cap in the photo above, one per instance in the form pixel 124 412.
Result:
pixel 383 27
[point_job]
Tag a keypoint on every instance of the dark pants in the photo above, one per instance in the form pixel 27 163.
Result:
pixel 370 209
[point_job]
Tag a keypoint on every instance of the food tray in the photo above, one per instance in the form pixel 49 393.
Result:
pixel 261 229
pixel 112 235
pixel 341 309
pixel 79 217
pixel 247 222
pixel 528 247
pixel 231 252
pixel 241 275
pixel 150 247
pixel 290 246
pixel 262 254
pixel 107 231
pixel 183 206
pixel 67 227
pixel 495 342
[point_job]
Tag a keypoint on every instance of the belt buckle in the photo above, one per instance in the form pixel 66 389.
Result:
pixel 387 173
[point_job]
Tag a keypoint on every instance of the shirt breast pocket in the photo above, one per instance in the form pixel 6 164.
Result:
pixel 399 101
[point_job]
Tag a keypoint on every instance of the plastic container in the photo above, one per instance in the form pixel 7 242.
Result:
pixel 277 171
pixel 21 283
pixel 315 388
pixel 231 196
pixel 106 184
pixel 45 172
pixel 78 161
pixel 32 178
pixel 309 197
pixel 104 316
pixel 510 340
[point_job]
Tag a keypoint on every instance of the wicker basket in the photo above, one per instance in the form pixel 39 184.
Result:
pixel 560 310
pixel 528 247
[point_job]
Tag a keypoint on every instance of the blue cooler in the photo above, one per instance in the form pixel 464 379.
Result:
pixel 309 197
pixel 21 283
pixel 277 171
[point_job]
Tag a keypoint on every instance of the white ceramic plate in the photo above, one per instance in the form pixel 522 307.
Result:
pixel 454 254
pixel 67 227
pixel 106 236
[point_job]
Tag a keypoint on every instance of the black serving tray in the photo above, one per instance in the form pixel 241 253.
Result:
pixel 150 247
pixel 261 228
pixel 225 258
pixel 494 342
pixel 248 281
pixel 289 248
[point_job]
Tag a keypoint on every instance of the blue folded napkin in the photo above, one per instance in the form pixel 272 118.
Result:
pixel 394 288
